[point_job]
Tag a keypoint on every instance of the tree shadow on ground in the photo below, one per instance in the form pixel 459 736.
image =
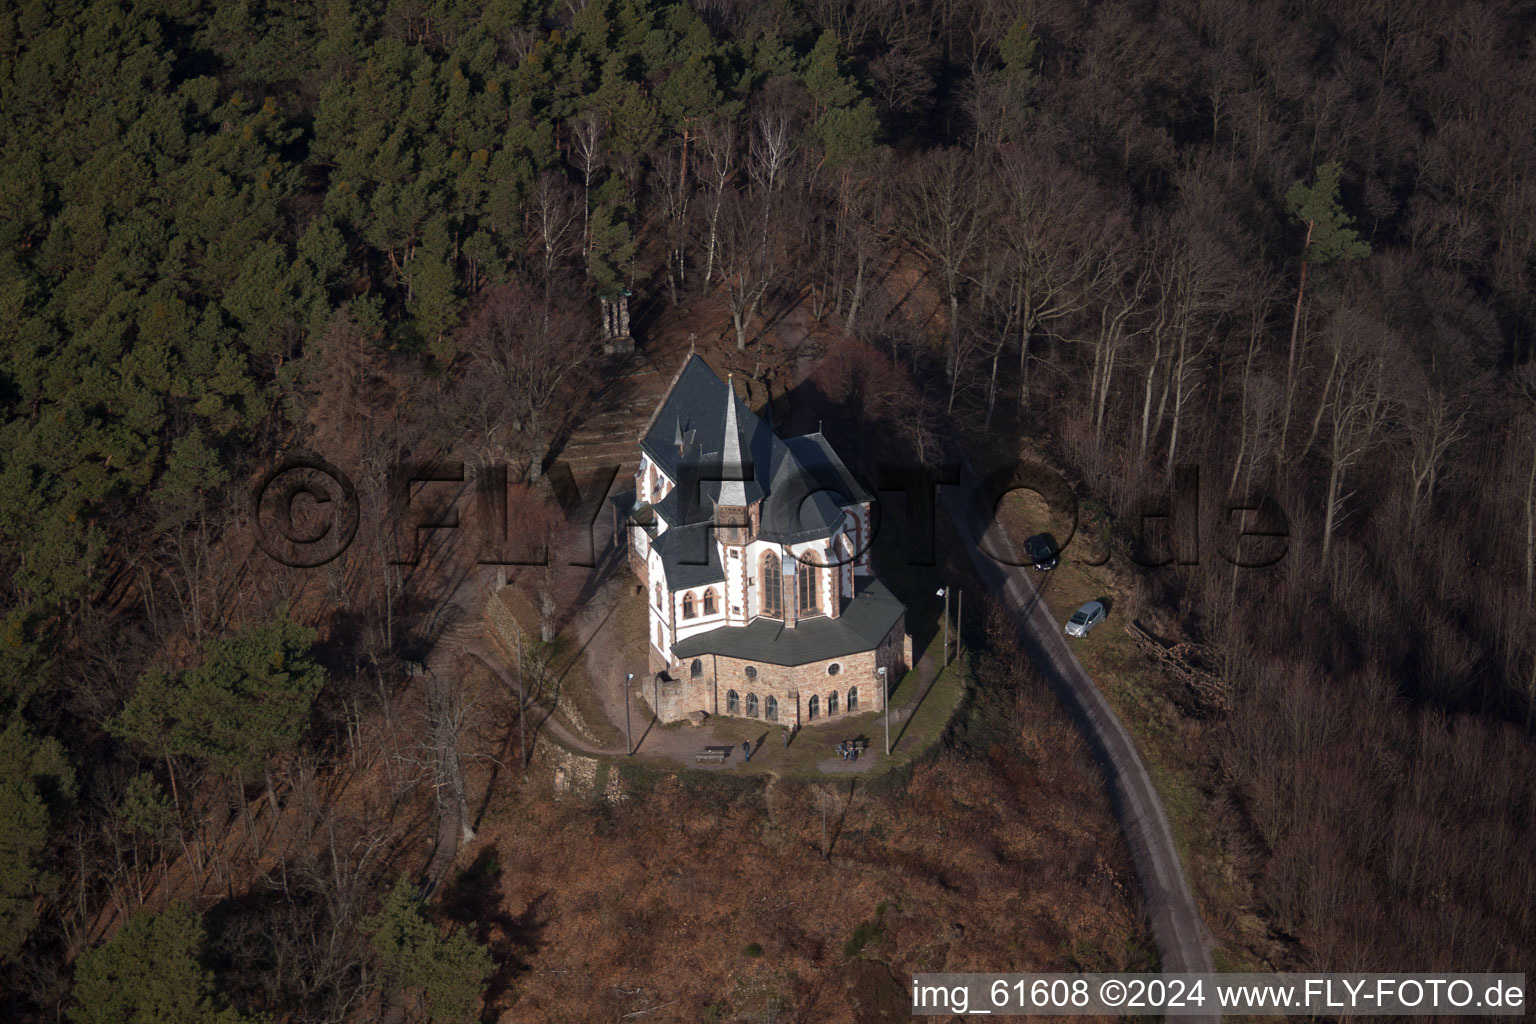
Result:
pixel 475 902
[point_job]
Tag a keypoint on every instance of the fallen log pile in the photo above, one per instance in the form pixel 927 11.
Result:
pixel 1194 665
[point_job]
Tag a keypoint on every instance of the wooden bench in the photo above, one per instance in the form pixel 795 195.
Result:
pixel 710 756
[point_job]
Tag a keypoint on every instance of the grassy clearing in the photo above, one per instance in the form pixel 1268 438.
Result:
pixel 570 698
pixel 623 631
pixel 573 661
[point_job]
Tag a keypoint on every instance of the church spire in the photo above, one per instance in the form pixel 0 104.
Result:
pixel 732 492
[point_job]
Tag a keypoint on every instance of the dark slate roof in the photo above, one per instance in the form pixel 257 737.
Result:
pixel 865 621
pixel 695 410
pixel 820 462
pixel 808 494
pixel 801 482
pixel 689 557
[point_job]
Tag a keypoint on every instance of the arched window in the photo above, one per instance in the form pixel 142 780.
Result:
pixel 687 606
pixel 772 586
pixel 811 708
pixel 751 705
pixel 853 699
pixel 658 595
pixel 808 583
pixel 709 601
pixel 698 668
pixel 832 703
pixel 750 671
pixel 834 668
pixel 771 709
pixel 732 703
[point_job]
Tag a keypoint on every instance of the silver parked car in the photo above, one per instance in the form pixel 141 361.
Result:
pixel 1085 618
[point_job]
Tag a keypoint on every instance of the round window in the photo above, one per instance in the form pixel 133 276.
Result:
pixel 751 672
pixel 834 668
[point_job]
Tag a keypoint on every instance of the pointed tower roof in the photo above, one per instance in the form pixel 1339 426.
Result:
pixel 682 438
pixel 697 402
pixel 732 492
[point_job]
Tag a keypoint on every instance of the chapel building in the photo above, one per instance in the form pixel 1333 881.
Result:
pixel 754 555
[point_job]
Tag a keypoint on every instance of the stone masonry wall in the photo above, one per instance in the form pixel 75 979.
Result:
pixel 792 685
pixel 671 699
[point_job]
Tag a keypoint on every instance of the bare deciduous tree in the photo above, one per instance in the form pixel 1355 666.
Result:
pixel 718 172
pixel 530 350
pixel 677 191
pixel 1435 426
pixel 1193 278
pixel 587 144
pixel 1358 412
pixel 1065 239
pixel 554 212
pixel 744 271
pixel 450 712
pixel 944 218
pixel 1120 302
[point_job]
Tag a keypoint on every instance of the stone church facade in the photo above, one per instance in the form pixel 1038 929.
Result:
pixel 754 556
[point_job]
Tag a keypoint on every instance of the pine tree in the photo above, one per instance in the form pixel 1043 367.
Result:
pixel 145 808
pixel 1018 77
pixel 847 133
pixel 824 75
pixel 447 973
pixel 151 972
pixel 248 699
pixel 37 785
pixel 612 247
pixel 434 282
pixel 1329 238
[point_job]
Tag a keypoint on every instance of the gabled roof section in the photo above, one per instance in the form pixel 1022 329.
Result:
pixel 696 410
pixel 821 464
pixel 718 452
pixel 810 491
pixel 689 557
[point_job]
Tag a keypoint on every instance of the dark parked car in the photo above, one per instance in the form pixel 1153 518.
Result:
pixel 1042 551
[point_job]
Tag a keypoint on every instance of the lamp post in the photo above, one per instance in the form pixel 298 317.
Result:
pixel 522 707
pixel 629 744
pixel 944 593
pixel 959 619
pixel 885 698
pixel 821 798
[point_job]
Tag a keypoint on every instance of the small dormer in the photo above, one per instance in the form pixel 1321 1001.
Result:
pixel 682 439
